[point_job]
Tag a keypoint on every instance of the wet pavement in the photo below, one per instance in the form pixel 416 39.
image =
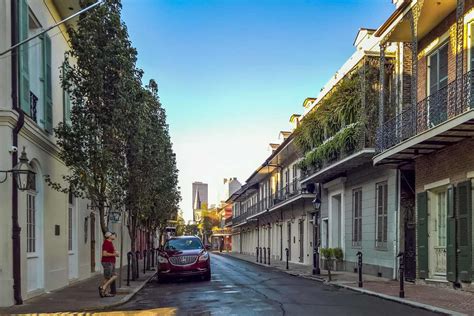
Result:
pixel 242 288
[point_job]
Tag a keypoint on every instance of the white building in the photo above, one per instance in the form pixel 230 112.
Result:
pixel 60 236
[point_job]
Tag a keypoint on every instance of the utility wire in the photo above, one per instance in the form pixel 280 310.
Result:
pixel 51 27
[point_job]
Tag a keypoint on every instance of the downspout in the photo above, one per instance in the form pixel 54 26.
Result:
pixel 396 247
pixel 16 229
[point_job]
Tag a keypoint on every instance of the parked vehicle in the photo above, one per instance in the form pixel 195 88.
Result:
pixel 184 256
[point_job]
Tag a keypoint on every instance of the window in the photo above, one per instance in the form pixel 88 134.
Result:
pixel 437 85
pixel 357 217
pixel 30 222
pixel 295 177
pixel 381 215
pixel 442 219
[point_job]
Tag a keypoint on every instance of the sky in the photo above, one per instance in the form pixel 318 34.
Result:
pixel 231 73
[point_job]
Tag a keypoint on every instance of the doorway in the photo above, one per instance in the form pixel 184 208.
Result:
pixel 72 237
pixel 301 239
pixel 335 221
pixel 34 233
pixel 437 220
pixel 289 239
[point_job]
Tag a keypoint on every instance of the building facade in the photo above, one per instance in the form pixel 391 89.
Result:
pixel 60 237
pixel 426 130
pixel 200 197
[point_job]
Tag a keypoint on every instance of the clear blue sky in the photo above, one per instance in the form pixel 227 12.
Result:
pixel 231 72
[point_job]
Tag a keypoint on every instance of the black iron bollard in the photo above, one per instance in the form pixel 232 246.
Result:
pixel 144 261
pixel 256 251
pixel 129 266
pixel 268 255
pixel 287 257
pixel 264 255
pixel 401 270
pixel 359 267
pixel 152 257
pixel 137 267
pixel 261 253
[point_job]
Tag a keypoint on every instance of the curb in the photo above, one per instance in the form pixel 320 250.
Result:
pixel 402 301
pixel 431 308
pixel 124 300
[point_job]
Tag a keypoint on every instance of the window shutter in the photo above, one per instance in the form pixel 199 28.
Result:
pixel 422 210
pixel 464 211
pixel 23 69
pixel 451 254
pixel 66 103
pixel 48 93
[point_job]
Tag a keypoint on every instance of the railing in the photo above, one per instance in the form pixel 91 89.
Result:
pixel 228 221
pixel 428 113
pixel 33 106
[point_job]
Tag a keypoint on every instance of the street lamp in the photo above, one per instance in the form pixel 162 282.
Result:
pixel 22 173
pixel 317 208
pixel 114 216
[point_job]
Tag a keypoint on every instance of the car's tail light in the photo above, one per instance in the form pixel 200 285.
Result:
pixel 204 257
pixel 162 259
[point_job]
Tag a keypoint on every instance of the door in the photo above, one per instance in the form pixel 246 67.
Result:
pixel 289 239
pixel 437 86
pixel 301 239
pixel 335 219
pixel 407 207
pixel 92 242
pixel 437 220
pixel 34 236
pixel 72 238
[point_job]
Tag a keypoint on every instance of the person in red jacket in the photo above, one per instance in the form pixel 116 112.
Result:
pixel 108 263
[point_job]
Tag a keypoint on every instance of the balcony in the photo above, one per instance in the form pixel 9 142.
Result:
pixel 288 194
pixel 442 119
pixel 228 221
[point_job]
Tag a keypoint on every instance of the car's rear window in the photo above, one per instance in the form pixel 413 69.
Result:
pixel 183 244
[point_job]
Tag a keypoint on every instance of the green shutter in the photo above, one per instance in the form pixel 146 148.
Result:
pixel 66 103
pixel 451 256
pixel 464 211
pixel 23 69
pixel 422 234
pixel 48 92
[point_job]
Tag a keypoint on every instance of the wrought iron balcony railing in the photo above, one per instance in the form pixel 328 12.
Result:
pixel 287 192
pixel 33 106
pixel 437 108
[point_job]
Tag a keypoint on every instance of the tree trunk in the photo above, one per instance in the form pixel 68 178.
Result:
pixel 103 224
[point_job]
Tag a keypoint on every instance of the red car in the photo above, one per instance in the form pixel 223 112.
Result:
pixel 184 256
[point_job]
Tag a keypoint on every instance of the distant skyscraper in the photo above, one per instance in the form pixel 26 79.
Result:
pixel 200 196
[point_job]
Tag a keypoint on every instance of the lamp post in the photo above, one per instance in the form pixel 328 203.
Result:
pixel 22 173
pixel 317 208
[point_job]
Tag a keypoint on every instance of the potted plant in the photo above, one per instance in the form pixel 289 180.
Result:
pixel 328 255
pixel 339 257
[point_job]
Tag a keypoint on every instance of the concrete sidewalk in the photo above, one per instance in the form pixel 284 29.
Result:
pixel 437 299
pixel 81 296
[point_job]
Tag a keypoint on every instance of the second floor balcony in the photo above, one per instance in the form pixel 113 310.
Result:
pixel 443 118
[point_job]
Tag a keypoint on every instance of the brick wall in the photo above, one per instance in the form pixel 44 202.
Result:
pixel 452 162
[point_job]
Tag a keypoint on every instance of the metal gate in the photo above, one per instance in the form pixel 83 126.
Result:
pixel 410 251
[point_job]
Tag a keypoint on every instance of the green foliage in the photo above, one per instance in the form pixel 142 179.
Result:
pixel 117 146
pixel 344 141
pixel 338 254
pixel 327 253
pixel 337 124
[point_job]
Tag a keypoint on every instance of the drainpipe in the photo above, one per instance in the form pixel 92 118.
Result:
pixel 396 247
pixel 16 229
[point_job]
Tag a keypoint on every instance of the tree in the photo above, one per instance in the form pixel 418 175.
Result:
pixel 180 225
pixel 101 79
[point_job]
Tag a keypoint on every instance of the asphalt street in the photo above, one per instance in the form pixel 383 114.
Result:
pixel 242 288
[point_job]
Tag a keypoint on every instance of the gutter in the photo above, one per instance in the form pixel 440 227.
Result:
pixel 16 229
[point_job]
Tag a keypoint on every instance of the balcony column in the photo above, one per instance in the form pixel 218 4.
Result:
pixel 414 17
pixel 383 46
pixel 459 56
